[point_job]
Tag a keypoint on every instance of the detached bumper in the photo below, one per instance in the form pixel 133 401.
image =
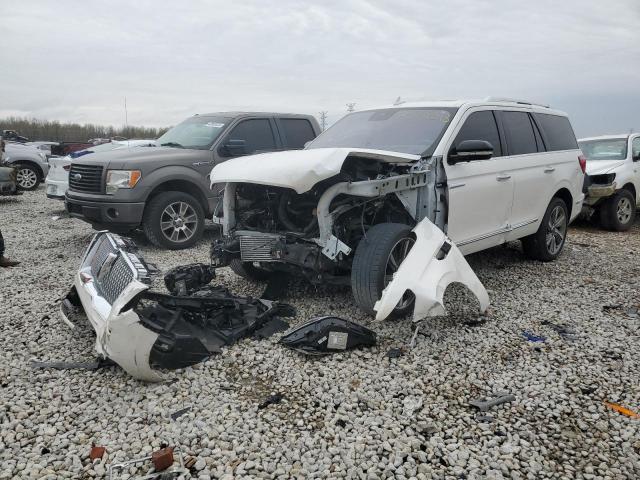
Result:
pixel 596 192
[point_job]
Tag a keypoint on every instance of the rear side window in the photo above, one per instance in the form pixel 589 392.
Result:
pixel 520 135
pixel 481 126
pixel 257 135
pixel 635 147
pixel 297 131
pixel 557 131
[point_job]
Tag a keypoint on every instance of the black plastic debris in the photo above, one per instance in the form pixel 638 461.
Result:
pixel 179 413
pixel 484 404
pixel 193 327
pixel 567 332
pixel 186 279
pixel 277 286
pixel 270 400
pixel 395 352
pixel 328 334
pixel 274 325
pixel 532 337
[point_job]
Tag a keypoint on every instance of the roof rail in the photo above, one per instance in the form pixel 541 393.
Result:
pixel 514 100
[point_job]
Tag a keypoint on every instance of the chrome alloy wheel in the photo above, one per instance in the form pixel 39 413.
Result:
pixel 178 222
pixel 556 230
pixel 27 178
pixel 397 255
pixel 623 210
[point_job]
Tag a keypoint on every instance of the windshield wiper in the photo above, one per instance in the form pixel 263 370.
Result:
pixel 171 144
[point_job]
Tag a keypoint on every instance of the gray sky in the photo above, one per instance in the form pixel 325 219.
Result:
pixel 77 60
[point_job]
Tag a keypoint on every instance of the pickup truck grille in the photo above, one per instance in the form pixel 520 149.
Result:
pixel 85 178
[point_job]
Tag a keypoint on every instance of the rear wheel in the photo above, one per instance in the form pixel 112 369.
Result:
pixel 28 177
pixel 249 271
pixel 618 212
pixel 547 243
pixel 378 256
pixel 173 220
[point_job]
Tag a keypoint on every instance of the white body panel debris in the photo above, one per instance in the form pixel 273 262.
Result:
pixel 427 276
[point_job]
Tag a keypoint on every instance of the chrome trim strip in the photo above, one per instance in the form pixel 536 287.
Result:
pixel 507 229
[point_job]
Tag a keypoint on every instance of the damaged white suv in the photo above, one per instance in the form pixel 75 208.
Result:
pixel 384 198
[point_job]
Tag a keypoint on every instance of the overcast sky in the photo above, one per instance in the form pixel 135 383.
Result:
pixel 77 60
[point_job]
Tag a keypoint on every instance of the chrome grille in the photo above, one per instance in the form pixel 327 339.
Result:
pixel 257 248
pixel 85 178
pixel 116 281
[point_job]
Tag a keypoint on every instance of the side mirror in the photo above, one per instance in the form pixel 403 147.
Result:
pixel 469 150
pixel 234 148
pixel 636 157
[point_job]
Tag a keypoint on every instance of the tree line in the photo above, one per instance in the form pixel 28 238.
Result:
pixel 55 131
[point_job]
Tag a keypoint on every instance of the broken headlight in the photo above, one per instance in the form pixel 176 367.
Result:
pixel 604 179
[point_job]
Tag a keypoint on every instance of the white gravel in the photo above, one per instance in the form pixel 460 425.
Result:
pixel 352 415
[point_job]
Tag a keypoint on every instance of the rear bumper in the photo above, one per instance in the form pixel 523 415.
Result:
pixel 105 213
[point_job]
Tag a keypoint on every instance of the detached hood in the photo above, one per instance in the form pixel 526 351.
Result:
pixel 598 167
pixel 297 169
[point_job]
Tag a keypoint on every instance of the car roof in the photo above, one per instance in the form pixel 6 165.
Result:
pixel 490 102
pixel 606 137
pixel 252 114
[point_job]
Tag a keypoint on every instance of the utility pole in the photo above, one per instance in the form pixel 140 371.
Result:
pixel 351 107
pixel 323 120
pixel 126 117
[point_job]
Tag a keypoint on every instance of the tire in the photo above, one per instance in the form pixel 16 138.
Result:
pixel 249 271
pixel 173 220
pixel 371 264
pixel 555 222
pixel 29 177
pixel 618 212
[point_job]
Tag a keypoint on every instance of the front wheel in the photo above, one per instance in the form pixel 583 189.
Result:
pixel 28 177
pixel 173 220
pixel 547 243
pixel 618 212
pixel 378 256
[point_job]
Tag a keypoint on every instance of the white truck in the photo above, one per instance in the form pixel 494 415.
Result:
pixel 613 179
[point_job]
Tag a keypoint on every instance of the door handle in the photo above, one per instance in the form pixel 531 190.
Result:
pixel 502 177
pixel 549 169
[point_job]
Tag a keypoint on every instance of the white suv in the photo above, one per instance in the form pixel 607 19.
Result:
pixel 613 178
pixel 385 185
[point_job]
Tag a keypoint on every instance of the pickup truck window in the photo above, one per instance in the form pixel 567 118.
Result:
pixel 297 131
pixel 257 135
pixel 635 147
pixel 480 126
pixel 407 130
pixel 605 149
pixel 197 133
pixel 520 135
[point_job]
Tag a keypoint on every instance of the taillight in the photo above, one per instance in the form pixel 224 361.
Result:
pixel 583 163
pixel 67 167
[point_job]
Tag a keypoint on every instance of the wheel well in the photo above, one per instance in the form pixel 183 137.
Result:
pixel 181 186
pixel 31 164
pixel 632 189
pixel 565 195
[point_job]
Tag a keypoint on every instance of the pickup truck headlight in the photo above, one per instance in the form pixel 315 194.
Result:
pixel 117 179
pixel 603 179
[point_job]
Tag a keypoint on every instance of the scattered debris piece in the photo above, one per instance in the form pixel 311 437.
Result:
pixel 55 217
pixel 607 308
pixel 163 462
pixel 96 452
pixel 45 451
pixel 341 423
pixel 531 337
pixel 476 321
pixel 589 389
pixel 274 325
pixel 190 462
pixel 270 400
pixel 179 413
pixel 567 332
pixel 623 410
pixel 187 279
pixel 396 352
pixel 162 459
pixel 484 418
pixel 277 286
pixel 485 404
pixel 328 334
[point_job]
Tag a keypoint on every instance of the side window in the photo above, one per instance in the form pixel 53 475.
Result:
pixel 557 131
pixel 635 147
pixel 520 136
pixel 297 131
pixel 539 141
pixel 481 126
pixel 256 134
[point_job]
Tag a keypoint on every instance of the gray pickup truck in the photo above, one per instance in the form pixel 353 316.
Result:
pixel 165 189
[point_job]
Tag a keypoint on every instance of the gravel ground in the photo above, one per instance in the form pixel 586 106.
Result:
pixel 353 415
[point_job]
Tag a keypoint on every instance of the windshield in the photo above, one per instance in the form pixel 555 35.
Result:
pixel 196 132
pixel 605 149
pixel 405 130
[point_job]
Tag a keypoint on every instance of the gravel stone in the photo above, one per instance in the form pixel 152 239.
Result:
pixel 356 414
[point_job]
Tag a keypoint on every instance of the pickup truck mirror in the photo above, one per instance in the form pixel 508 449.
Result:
pixel 469 150
pixel 234 148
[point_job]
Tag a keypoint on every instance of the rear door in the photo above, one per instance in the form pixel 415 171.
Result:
pixel 635 158
pixel 480 191
pixel 295 132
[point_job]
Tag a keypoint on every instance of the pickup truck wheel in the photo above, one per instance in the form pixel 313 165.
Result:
pixel 618 212
pixel 173 220
pixel 377 258
pixel 547 243
pixel 248 270
pixel 28 177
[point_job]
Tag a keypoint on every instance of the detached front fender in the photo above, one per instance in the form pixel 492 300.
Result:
pixel 431 266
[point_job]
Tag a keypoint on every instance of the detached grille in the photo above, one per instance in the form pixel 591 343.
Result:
pixel 116 281
pixel 257 248
pixel 85 178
